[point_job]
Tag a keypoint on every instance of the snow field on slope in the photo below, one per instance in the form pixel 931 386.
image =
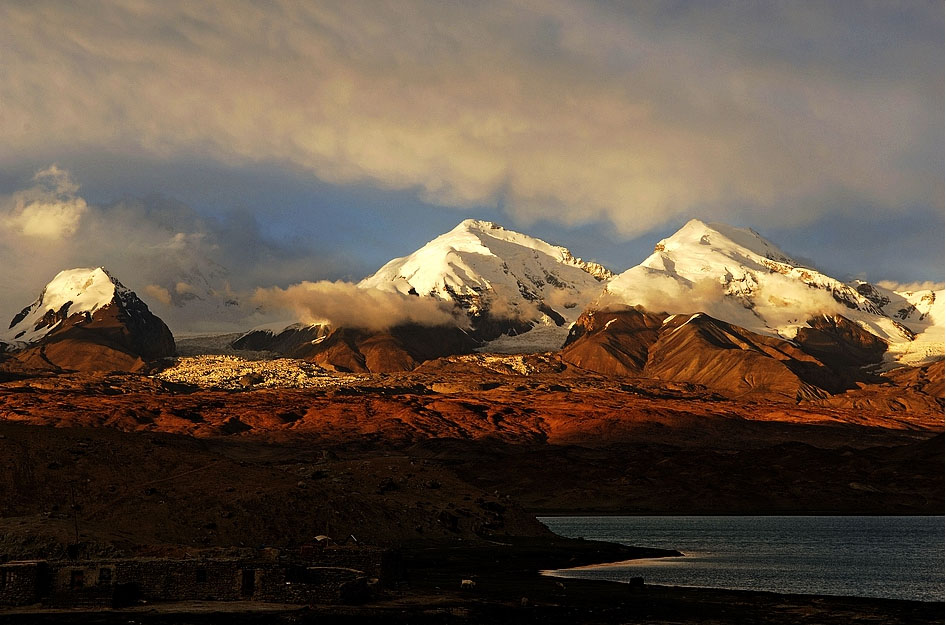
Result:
pixel 737 276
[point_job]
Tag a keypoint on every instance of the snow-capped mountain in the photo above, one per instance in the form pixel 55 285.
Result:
pixel 86 307
pixel 736 275
pixel 520 293
pixel 496 274
pixel 71 292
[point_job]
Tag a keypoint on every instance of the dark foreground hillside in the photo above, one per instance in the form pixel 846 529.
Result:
pixel 448 472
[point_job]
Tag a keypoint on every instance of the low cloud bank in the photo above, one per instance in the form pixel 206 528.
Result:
pixel 48 210
pixel 196 273
pixel 346 304
pixel 781 301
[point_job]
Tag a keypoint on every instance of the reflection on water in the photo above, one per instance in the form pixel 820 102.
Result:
pixel 893 557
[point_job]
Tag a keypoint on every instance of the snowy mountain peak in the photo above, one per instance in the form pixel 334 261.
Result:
pixel 737 243
pixel 71 292
pixel 738 276
pixel 489 270
pixel 476 224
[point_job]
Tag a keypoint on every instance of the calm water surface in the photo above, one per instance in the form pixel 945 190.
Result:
pixel 892 557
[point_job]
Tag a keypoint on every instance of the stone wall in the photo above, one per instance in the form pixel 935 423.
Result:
pixel 382 564
pixel 21 583
pixel 331 576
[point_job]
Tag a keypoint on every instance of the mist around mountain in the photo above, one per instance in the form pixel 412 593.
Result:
pixel 496 285
pixel 740 277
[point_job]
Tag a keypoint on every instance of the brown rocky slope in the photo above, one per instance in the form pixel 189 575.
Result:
pixel 827 358
pixel 400 348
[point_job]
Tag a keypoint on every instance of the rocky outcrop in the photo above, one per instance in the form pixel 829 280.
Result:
pixel 357 350
pixel 285 341
pixel 614 343
pixel 841 343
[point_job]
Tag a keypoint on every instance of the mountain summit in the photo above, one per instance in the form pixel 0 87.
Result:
pixel 86 319
pixel 523 295
pixel 504 280
pixel 738 276
pixel 520 294
pixel 71 292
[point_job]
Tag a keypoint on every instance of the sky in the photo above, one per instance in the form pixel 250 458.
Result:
pixel 203 150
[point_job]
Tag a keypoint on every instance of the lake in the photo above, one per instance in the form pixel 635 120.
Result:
pixel 892 557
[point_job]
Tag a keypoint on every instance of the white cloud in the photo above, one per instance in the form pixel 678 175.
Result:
pixel 183 288
pixel 345 304
pixel 159 293
pixel 50 209
pixel 158 247
pixel 781 301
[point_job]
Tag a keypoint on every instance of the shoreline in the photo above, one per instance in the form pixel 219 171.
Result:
pixel 609 565
pixel 823 556
pixel 805 513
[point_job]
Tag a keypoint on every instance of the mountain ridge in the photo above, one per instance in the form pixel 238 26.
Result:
pixel 507 284
pixel 524 295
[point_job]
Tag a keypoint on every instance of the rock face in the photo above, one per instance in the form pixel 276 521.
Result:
pixel 724 357
pixel 840 342
pixel 614 344
pixel 86 320
pixel 285 341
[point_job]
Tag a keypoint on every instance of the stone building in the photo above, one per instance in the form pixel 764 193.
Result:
pixel 341 575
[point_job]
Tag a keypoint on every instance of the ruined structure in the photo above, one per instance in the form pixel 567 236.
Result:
pixel 338 575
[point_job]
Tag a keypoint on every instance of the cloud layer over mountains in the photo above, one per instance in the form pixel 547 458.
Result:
pixel 49 209
pixel 570 111
pixel 344 304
